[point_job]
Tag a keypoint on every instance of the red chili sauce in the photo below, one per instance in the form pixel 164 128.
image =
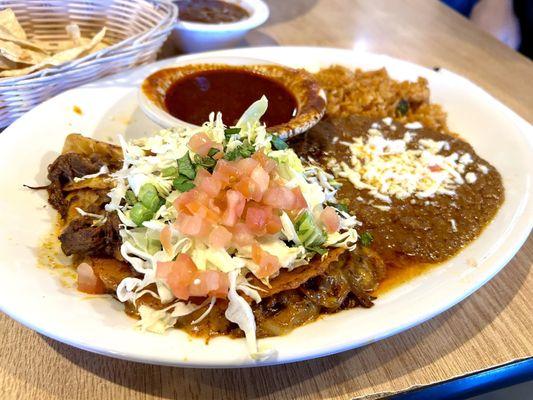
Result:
pixel 194 97
pixel 210 11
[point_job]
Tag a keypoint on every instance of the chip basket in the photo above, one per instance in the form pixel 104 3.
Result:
pixel 136 30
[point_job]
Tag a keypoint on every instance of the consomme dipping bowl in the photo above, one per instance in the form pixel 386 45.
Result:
pixel 187 94
pixel 192 37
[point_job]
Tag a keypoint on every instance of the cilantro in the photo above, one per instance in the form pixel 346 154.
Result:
pixel 185 167
pixel 341 207
pixel 212 151
pixel 245 150
pixel 402 108
pixel 205 162
pixel 231 131
pixel 279 143
pixel 183 184
pixel 366 239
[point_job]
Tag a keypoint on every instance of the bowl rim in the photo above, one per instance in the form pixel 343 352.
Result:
pixel 301 122
pixel 259 14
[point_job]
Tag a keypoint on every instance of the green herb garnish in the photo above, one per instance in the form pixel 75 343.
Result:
pixel 185 167
pixel 231 131
pixel 279 143
pixel 402 108
pixel 366 239
pixel 206 162
pixel 212 151
pixel 340 207
pixel 245 150
pixel 130 197
pixel 183 184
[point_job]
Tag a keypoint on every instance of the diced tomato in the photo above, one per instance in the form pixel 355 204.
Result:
pixel 274 224
pixel 205 211
pixel 185 199
pixel 261 179
pixel 201 144
pixel 280 197
pixel 165 237
pixel 299 202
pixel 205 182
pixel 163 269
pixel 226 172
pixel 267 163
pixel 235 203
pixel 330 219
pixel 268 263
pixel 257 218
pixel 209 283
pixel 242 236
pixel 246 166
pixel 220 237
pixel 181 275
pixel 248 188
pixel 192 225
pixel 435 168
pixel 88 282
pixel 218 283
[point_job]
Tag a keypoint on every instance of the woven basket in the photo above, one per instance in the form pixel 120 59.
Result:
pixel 136 29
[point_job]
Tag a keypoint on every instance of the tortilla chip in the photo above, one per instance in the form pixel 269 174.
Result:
pixel 58 58
pixel 18 54
pixel 33 45
pixel 7 64
pixel 9 24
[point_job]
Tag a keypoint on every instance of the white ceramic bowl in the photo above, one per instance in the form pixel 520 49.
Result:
pixel 163 118
pixel 191 37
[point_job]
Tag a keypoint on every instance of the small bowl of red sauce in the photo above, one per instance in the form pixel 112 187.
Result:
pixel 215 24
pixel 187 94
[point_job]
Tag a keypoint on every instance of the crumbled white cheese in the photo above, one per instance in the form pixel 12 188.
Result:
pixel 387 121
pixel 483 168
pixel 381 207
pixel 414 125
pixel 454 225
pixel 393 127
pixel 387 168
pixel 408 136
pixel 466 159
pixel 470 177
pixel 375 125
pixel 335 139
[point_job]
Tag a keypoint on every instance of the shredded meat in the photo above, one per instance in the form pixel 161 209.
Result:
pixel 82 238
pixel 63 171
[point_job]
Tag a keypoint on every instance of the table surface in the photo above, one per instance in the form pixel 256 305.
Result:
pixel 491 327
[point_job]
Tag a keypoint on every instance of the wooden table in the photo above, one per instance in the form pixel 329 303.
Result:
pixel 491 327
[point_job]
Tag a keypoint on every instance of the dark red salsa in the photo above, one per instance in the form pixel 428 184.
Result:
pixel 194 97
pixel 210 11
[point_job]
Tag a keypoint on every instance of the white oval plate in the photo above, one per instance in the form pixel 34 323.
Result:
pixel 35 297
